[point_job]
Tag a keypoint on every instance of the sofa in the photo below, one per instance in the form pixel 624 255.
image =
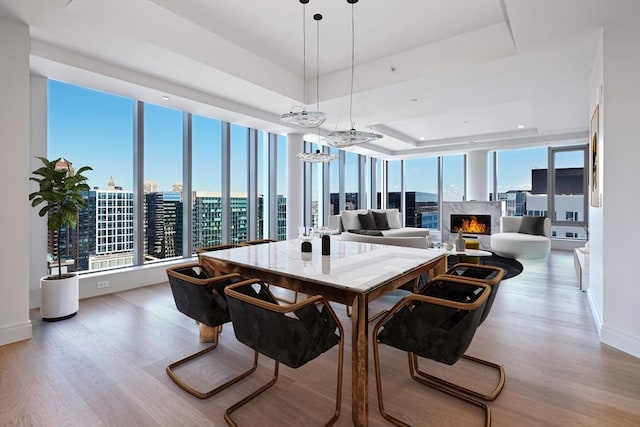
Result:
pixel 522 237
pixel 386 228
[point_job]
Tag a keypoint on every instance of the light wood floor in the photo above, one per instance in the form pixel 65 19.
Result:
pixel 106 367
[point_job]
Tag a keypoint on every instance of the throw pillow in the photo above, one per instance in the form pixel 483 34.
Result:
pixel 394 219
pixel 381 220
pixel 350 220
pixel 532 225
pixel 367 222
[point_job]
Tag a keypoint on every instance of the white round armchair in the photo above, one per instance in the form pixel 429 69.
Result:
pixel 522 237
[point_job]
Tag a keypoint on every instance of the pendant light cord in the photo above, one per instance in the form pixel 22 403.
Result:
pixel 317 18
pixel 304 55
pixel 317 61
pixel 353 56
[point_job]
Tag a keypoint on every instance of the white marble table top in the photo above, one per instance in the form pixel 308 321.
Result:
pixel 466 252
pixel 356 266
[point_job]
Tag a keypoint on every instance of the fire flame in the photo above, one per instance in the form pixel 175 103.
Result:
pixel 472 225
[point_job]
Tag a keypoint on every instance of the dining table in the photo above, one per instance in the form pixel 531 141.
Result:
pixel 353 273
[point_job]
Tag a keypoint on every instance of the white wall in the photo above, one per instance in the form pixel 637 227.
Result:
pixel 621 181
pixel 14 174
pixel 37 224
pixel 595 293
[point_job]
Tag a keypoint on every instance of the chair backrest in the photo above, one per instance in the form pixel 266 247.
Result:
pixel 199 296
pixel 511 224
pixel 292 335
pixel 438 323
pixel 487 274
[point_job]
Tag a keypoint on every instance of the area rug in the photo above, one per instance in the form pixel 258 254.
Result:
pixel 512 267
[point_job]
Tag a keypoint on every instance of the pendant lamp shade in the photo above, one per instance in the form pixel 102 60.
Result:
pixel 298 115
pixel 317 157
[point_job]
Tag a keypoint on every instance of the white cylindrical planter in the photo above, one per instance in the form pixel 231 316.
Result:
pixel 59 298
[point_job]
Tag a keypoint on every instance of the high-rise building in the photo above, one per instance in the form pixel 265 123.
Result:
pixel 281 217
pixel 207 218
pixel 162 225
pixel 105 229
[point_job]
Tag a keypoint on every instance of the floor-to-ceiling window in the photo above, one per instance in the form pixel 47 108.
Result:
pixel 453 178
pixel 394 184
pixel 421 192
pixel 262 170
pixel 334 183
pixel 238 182
pixel 351 180
pixel 92 128
pixel 281 187
pixel 206 178
pixel 569 186
pixel 515 171
pixel 162 213
pixel 377 179
pixel 525 177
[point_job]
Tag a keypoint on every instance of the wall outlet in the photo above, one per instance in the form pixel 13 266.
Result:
pixel 103 284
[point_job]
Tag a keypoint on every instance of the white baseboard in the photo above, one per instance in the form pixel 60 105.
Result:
pixel 15 332
pixel 621 340
pixel 595 313
pixel 117 280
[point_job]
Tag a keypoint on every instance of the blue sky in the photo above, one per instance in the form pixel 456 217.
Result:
pixel 92 128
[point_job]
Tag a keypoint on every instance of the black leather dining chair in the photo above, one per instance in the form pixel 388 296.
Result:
pixel 438 323
pixel 201 297
pixel 491 276
pixel 289 334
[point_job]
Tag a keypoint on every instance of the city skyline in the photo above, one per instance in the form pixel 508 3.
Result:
pixel 93 128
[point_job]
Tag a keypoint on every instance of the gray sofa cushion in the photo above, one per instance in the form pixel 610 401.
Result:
pixel 393 217
pixel 350 220
pixel 381 220
pixel 532 225
pixel 367 222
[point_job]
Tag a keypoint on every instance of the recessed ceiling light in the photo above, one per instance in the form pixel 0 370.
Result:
pixel 422 138
pixel 520 126
pixel 165 98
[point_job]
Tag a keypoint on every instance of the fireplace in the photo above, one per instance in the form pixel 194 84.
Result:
pixel 471 224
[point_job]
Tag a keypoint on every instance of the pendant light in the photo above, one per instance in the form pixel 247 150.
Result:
pixel 346 138
pixel 318 156
pixel 299 115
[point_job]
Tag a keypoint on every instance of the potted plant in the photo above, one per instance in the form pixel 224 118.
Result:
pixel 61 191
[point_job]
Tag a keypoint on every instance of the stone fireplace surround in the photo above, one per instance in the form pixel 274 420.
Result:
pixel 495 209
